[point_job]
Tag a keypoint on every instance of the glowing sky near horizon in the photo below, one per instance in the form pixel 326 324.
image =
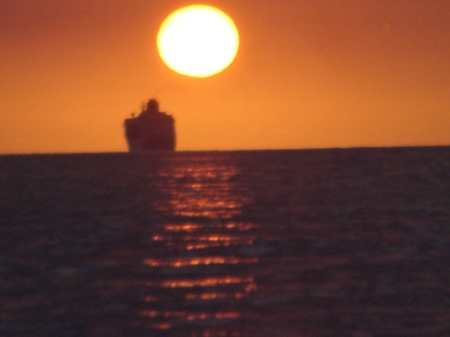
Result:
pixel 308 74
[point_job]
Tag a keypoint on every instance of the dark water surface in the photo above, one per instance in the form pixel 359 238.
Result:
pixel 226 244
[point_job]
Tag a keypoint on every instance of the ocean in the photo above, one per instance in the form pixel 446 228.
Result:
pixel 295 243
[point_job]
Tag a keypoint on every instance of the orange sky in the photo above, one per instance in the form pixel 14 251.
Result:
pixel 308 74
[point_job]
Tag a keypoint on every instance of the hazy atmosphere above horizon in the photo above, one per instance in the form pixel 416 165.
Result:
pixel 308 74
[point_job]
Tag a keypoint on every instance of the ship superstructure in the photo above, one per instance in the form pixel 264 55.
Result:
pixel 152 130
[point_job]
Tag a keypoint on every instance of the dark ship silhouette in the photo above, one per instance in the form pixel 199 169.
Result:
pixel 152 130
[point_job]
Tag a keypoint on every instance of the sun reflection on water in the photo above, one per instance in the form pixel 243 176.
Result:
pixel 199 189
pixel 214 296
pixel 198 276
pixel 183 262
pixel 206 282
pixel 190 227
pixel 202 241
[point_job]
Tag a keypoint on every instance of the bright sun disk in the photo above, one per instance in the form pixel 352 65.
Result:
pixel 198 41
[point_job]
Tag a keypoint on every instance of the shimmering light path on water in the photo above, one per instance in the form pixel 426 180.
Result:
pixel 269 243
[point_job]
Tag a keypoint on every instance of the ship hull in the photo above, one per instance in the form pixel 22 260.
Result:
pixel 150 131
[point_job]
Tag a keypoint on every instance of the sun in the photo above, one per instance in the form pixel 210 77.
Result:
pixel 198 41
